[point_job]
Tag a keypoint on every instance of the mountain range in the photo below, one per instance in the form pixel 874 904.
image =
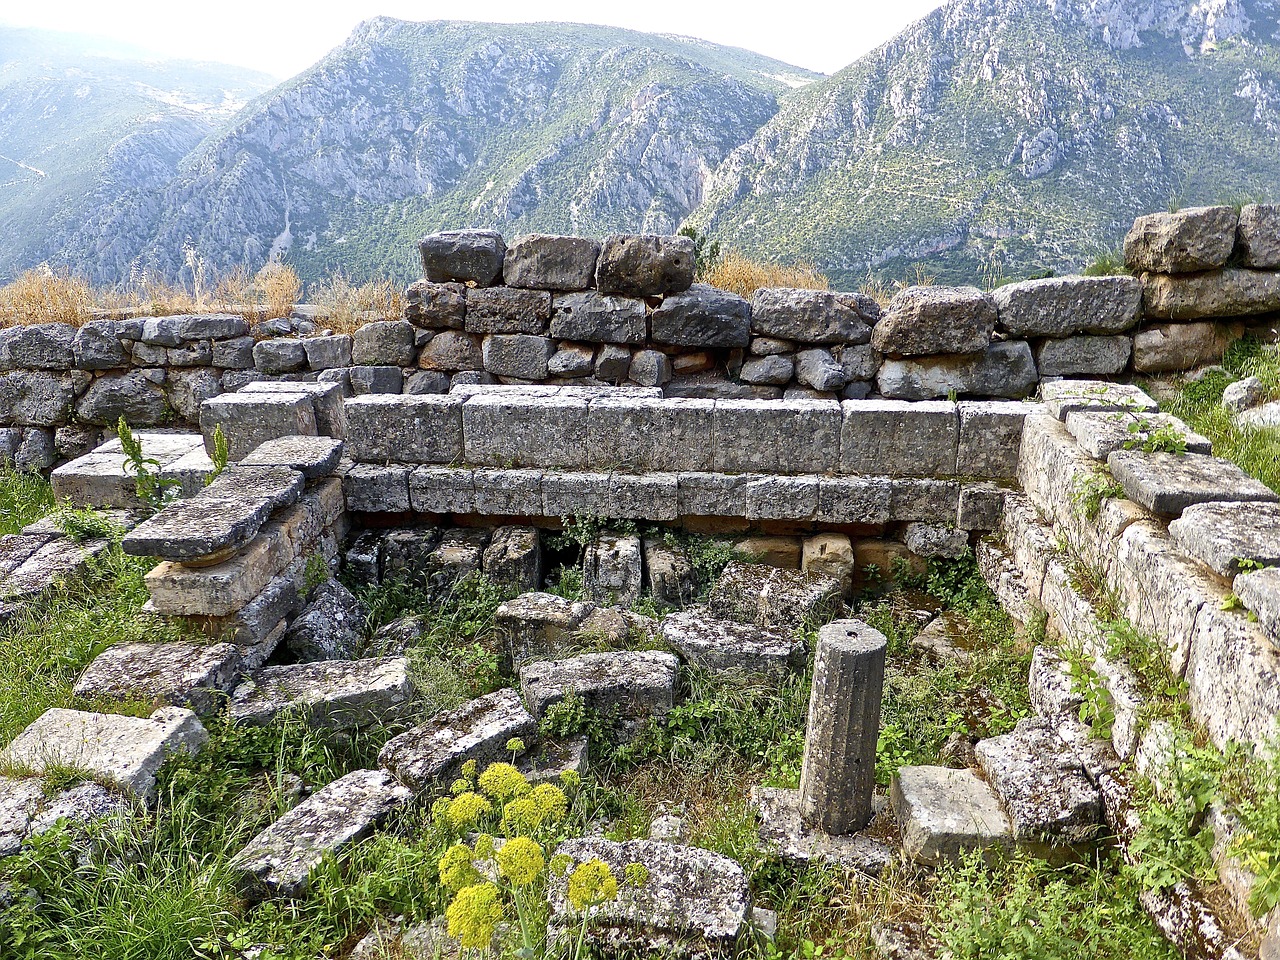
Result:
pixel 993 139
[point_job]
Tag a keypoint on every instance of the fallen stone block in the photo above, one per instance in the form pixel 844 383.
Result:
pixel 611 570
pixel 1062 306
pixel 456 557
pixel 430 756
pixel 125 751
pixel 1192 239
pixel 706 641
pixel 279 861
pixel 59 561
pixel 537 625
pixel 192 675
pixel 330 626
pixel 1227 541
pixel 333 694
pixel 775 599
pixel 946 813
pixel 628 688
pixel 1167 483
pixel 933 540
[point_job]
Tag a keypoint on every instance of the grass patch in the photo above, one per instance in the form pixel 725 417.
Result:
pixel 24 499
pixel 738 273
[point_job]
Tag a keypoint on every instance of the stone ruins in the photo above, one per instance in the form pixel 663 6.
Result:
pixel 559 377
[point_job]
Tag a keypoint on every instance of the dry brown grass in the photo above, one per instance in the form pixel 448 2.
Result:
pixel 348 306
pixel 740 274
pixel 43 296
pixel 280 289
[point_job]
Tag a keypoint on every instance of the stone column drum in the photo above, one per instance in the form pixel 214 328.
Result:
pixel 839 771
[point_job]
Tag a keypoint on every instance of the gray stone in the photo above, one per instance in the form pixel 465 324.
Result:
pixel 949 638
pixel 1233 677
pixel 37 346
pixel 1233 292
pixel 773 369
pixel 1064 397
pixel 442 490
pixel 770 346
pixel 1101 434
pixel 772 598
pixel 537 625
pixel 71 442
pixel 371 488
pixel 695 903
pixel 186 390
pixel 313 457
pixel 1167 483
pixel 234 354
pixel 860 362
pixel 785 835
pixel 990 438
pixel 945 813
pixel 362 560
pixel 330 627
pixel 1197 238
pixel 333 694
pixel 279 860
pixel 702 316
pixel 1062 306
pixel 809 316
pixel 1053 693
pixel 36 452
pixel 127 751
pixel 223 517
pixel 388 343
pixel 650 368
pixel 1228 540
pixel 1259 590
pixel 611 570
pixel 473 256
pixel 405 429
pixel 513 558
pixel 507 310
pixel 639 265
pixel 668 574
pixel 1258 236
pixel 508 493
pixel 451 351
pixel 192 675
pixel 425 382
pixel 327 353
pixel 571 360
pixel 149 355
pixel 364 381
pixel 249 420
pixel 505 430
pixel 405 552
pixel 818 369
pixel 518 355
pixel 1097 356
pixel 714 386
pixel 1244 394
pixel 455 558
pixel 138 396
pixel 644 434
pixel 1042 788
pixel 707 641
pixel 171 331
pixel 197 353
pixel 899 438
pixel 981 506
pixel 542 262
pixel 860 500
pixel 613 363
pixel 792 436
pixel 1265 416
pixel 282 355
pixel 927 320
pixel 436 305
pixel 1003 370
pixel 615 496
pixel 26 811
pixel 1167 347
pixel 932 540
pixel 97 346
pixel 429 757
pixel 630 687
pixel 598 318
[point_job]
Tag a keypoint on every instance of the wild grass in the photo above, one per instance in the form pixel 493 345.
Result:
pixel 24 499
pixel 738 273
pixel 46 296
pixel 346 305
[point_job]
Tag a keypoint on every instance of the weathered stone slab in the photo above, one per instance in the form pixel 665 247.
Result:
pixel 641 265
pixel 542 262
pixel 1233 292
pixel 509 493
pixel 860 500
pixel 442 490
pixel 702 316
pixel 928 501
pixel 1063 397
pixel 631 686
pixel 279 861
pixel 328 353
pixel 1061 306
pixel 538 625
pixel 326 398
pixel 1260 592
pixel 946 813
pixel 1102 434
pixel 1042 787
pixel 1233 677
pixel 695 903
pixel 926 320
pixel 809 316
pixel 651 496
pixel 789 436
pixel 371 488
pixel 1167 347
pixel 192 675
pixel 769 370
pixel 60 560
pixel 1226 539
pixel 774 599
pixel 1258 236
pixel 597 318
pixel 1197 238
pixel 898 438
pixel 784 835
pixel 313 457
pixel 1052 692
pixel 437 306
pixel 473 256
pixel 506 430
pixel 514 558
pixel 405 429
pixel 334 694
pixel 707 641
pixel 249 420
pixel 330 626
pixel 990 437
pixel 1166 483
pixel 644 434
pixel 775 498
pixel 36 399
pixel 429 756
pixel 224 516
pixel 127 751
pixel 1004 369
pixel 611 570
pixel 1074 356
pixel 278 356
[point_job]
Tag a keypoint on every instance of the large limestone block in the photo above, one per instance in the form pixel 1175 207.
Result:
pixel 1101 434
pixel 644 434
pixel 31 398
pixel 451 351
pixel 279 861
pixel 1064 397
pixel 1168 483
pixel 429 756
pixel 405 429
pixel 507 310
pixel 1074 356
pixel 223 588
pixel 946 813
pixel 808 316
pixel 1233 292
pixel 249 420
pixel 465 256
pixel 990 437
pixel 436 306
pixel 1260 591
pixel 192 675
pixel 1233 677
pixel 788 436
pixel 1052 468
pixel 97 346
pixel 171 331
pixel 1258 236
pixel 773 598
pixel 1197 238
pixel 334 694
pixel 1227 540
pixel 371 488
pixel 631 687
pixel 505 430
pixel 126 751
pixel 442 490
pixel 704 640
pixel 1062 306
pixel 284 355
pixel 37 346
pixel 1166 347
pixel 612 570
pixel 598 318
pixel 330 626
pixel 857 500
pixel 925 320
pixel 518 355
pixel 702 316
pixel 509 493
pixel 538 625
pixel 513 558
pixel 384 343
pixel 695 903
pixel 326 398
pixel 1002 370
pixel 543 262
pixel 899 438
pixel 619 496
pixel 926 501
pixel 643 265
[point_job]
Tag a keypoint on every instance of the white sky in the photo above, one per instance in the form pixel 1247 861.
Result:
pixel 283 38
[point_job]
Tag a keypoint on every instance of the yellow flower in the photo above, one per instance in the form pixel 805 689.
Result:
pixel 457 869
pixel 474 915
pixel 469 769
pixel 571 780
pixel 503 782
pixel 592 884
pixel 521 818
pixel 550 800
pixel 466 810
pixel 635 875
pixel 484 847
pixel 521 861
pixel 515 745
pixel 560 864
pixel 459 786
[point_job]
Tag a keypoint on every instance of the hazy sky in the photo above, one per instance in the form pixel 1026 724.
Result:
pixel 284 38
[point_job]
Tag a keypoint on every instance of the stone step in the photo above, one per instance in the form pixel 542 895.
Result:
pixel 1227 539
pixel 1101 434
pixel 192 675
pixel 100 479
pixel 313 457
pixel 333 694
pixel 1063 397
pixel 704 640
pixel 222 517
pixel 249 420
pixel 1168 483
pixel 632 686
pixel 945 813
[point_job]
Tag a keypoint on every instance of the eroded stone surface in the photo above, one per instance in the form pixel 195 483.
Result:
pixel 611 570
pixel 313 457
pixel 1062 397
pixel 631 686
pixel 1061 306
pixel 708 641
pixel 330 626
pixel 945 813
pixel 192 675
pixel 1101 434
pixel 1196 238
pixel 639 265
pixel 1226 539
pixel 1168 483
pixel 783 834
pixel 463 255
pixel 928 320
pixel 1260 592
pixel 537 625
pixel 337 694
pixel 773 598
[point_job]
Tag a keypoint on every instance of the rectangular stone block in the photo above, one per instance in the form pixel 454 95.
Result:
pixel 250 419
pixel 924 501
pixel 710 495
pixel 1062 397
pixel 402 428
pixel 785 437
pixel 779 498
pixel 617 496
pixel 508 493
pixel 1052 468
pixel 862 500
pixel 990 437
pixel 1102 434
pixel 1168 483
pixel 1233 677
pixel 222 589
pixel 981 507
pixel 643 434
pixel 326 400
pixel 899 438
pixel 371 488
pixel 1031 543
pixel 442 490
pixel 503 430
